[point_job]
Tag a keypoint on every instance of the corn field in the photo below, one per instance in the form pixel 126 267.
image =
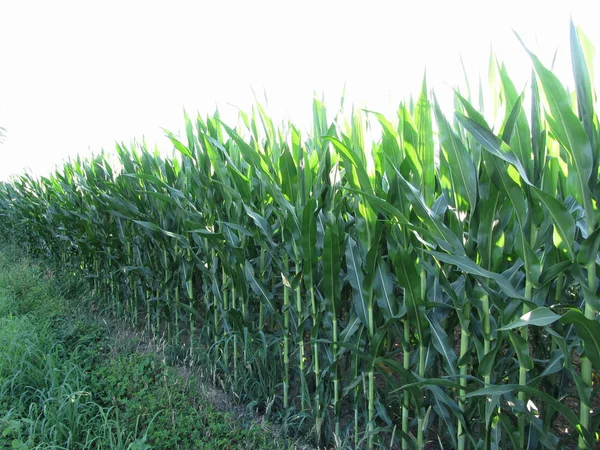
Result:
pixel 435 287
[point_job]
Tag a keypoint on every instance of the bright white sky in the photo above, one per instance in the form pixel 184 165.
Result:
pixel 77 76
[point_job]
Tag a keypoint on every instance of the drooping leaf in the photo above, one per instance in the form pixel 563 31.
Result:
pixel 258 287
pixel 521 347
pixel 443 347
pixel 539 317
pixel 562 219
pixel 588 331
pixel 466 264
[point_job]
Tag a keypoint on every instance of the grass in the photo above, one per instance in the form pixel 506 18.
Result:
pixel 69 380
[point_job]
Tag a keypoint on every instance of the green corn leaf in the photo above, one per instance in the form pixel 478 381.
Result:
pixel 511 431
pixel 562 219
pixel 188 308
pixel 351 157
pixel 461 170
pixel 384 291
pixel 356 278
pixel 519 136
pixel 387 365
pixel 147 177
pixel 443 347
pixel 189 132
pixel 380 205
pixel 261 223
pixel 583 85
pixel 442 382
pixel 353 325
pixel 253 157
pixel 555 364
pixel 511 122
pixel 467 265
pixel 443 402
pixel 425 146
pixel 588 251
pixel 371 262
pixel 591 297
pixel 389 145
pixel 540 317
pixel 484 136
pixel 178 145
pixel 407 135
pixel 493 390
pixel 353 384
pixel 288 175
pixel 265 296
pixel 568 130
pixel 153 227
pixel 159 196
pixel 538 135
pixel 365 356
pixel 487 363
pixel 309 240
pixel 216 157
pixel 243 184
pixel 490 252
pixel 550 273
pixel 471 111
pixel 410 280
pixel 235 226
pixel 446 237
pixel 564 224
pixel 521 347
pixel 588 331
pixel 548 399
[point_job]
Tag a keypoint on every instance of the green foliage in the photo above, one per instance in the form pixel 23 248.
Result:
pixel 61 388
pixel 142 390
pixel 436 284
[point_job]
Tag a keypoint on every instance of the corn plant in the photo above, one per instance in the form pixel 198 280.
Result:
pixel 438 284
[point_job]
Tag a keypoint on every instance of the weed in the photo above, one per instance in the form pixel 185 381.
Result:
pixel 70 380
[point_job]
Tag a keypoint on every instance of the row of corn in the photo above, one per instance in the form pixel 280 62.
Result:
pixel 436 285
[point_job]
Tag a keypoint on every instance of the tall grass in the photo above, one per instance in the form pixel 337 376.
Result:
pixel 44 398
pixel 69 380
pixel 436 285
